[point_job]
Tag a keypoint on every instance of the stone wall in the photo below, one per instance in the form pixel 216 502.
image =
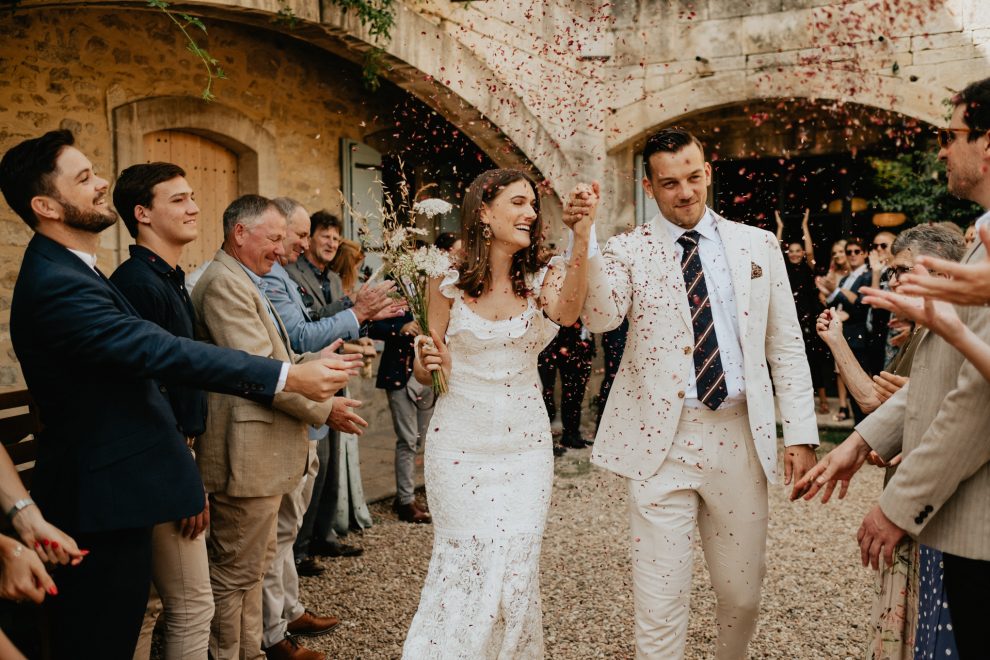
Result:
pixel 71 68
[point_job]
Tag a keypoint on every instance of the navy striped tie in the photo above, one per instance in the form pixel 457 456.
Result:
pixel 709 376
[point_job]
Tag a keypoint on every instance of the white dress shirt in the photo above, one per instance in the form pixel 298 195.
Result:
pixel 982 220
pixel 87 258
pixel 846 282
pixel 722 298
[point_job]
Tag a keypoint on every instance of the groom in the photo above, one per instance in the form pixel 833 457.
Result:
pixel 690 417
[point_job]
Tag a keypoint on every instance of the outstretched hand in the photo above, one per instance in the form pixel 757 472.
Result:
pixel 937 315
pixel 837 467
pixel 964 284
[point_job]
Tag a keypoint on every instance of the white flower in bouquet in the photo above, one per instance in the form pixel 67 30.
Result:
pixel 431 261
pixel 432 207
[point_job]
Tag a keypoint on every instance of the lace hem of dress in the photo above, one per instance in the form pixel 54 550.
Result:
pixel 481 601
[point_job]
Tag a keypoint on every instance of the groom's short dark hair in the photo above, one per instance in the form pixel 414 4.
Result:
pixel 668 140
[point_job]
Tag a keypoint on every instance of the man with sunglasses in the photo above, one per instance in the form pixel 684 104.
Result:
pixel 939 421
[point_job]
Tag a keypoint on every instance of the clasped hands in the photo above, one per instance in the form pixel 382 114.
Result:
pixel 581 207
pixel 23 575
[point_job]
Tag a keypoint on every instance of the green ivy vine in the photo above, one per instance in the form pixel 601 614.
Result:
pixel 379 17
pixel 185 22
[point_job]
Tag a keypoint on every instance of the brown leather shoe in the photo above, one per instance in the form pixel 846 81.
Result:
pixel 289 649
pixel 312 625
pixel 411 513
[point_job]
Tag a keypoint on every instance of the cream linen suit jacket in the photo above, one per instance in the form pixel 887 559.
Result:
pixel 940 422
pixel 638 276
pixel 249 450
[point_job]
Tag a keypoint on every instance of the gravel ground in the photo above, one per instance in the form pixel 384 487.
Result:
pixel 816 597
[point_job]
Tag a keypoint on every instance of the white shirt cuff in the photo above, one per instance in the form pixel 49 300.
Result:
pixel 356 322
pixel 282 376
pixel 592 244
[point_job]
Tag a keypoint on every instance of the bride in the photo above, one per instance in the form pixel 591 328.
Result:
pixel 489 460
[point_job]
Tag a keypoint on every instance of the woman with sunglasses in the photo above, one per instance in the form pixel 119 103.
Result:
pixel 844 296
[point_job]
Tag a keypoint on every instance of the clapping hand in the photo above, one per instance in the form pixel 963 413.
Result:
pixel 373 302
pixel 343 419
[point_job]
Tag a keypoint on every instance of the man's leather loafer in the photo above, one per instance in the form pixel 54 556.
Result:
pixel 312 625
pixel 289 649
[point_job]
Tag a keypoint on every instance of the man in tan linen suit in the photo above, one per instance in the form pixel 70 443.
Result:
pixel 698 444
pixel 250 456
pixel 939 423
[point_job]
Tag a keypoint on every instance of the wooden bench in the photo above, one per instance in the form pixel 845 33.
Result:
pixel 19 426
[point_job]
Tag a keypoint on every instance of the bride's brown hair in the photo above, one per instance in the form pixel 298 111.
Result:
pixel 475 271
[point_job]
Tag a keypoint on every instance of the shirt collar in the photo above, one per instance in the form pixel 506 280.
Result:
pixel 258 282
pixel 87 258
pixel 157 263
pixel 858 271
pixel 706 226
pixel 313 267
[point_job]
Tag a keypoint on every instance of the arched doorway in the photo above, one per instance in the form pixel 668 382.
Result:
pixel 788 155
pixel 212 172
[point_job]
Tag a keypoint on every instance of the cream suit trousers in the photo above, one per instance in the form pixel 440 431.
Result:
pixel 711 478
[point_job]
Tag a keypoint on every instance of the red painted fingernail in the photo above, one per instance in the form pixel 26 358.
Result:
pixel 54 544
pixel 84 552
pixel 44 542
pixel 37 545
pixel 52 590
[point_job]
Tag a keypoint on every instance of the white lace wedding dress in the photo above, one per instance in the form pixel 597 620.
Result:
pixel 489 472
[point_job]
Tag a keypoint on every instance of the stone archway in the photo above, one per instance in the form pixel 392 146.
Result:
pixel 252 144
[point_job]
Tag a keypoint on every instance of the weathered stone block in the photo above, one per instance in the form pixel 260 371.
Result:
pixel 735 8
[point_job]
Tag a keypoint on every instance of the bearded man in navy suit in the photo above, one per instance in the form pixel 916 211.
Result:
pixel 112 461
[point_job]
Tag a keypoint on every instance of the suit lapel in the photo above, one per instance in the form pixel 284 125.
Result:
pixel 277 334
pixel 668 270
pixel 59 253
pixel 735 244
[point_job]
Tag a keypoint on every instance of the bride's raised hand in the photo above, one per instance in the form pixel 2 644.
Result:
pixel 582 205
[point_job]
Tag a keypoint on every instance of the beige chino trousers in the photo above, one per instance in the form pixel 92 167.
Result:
pixel 180 591
pixel 712 479
pixel 241 546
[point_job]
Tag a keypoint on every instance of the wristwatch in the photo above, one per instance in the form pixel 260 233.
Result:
pixel 19 506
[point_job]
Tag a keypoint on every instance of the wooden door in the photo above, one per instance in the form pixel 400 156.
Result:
pixel 211 170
